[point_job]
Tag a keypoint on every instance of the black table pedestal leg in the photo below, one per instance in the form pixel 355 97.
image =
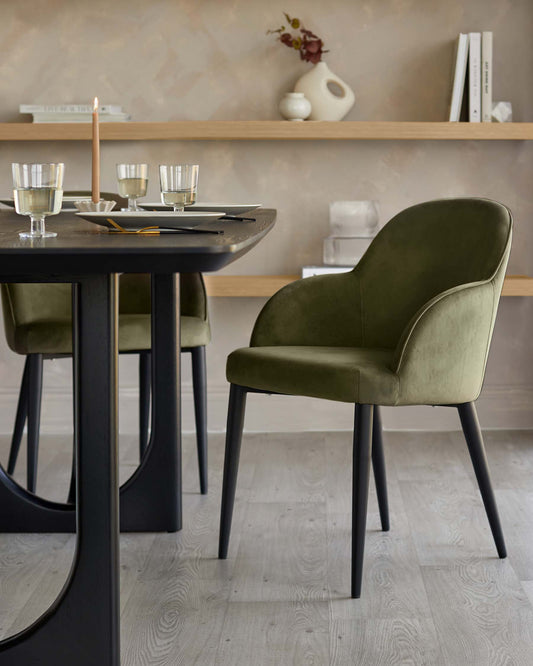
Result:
pixel 82 625
pixel 151 500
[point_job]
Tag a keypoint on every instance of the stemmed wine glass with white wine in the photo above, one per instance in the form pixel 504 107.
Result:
pixel 132 183
pixel 178 185
pixel 38 192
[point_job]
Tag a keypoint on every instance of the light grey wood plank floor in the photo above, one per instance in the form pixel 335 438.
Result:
pixel 434 591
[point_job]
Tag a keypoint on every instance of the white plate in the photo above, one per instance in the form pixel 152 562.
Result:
pixel 147 218
pixel 229 209
pixel 68 202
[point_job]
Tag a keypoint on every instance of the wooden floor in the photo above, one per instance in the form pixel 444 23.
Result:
pixel 434 591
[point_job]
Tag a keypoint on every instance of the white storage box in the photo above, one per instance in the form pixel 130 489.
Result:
pixel 348 219
pixel 344 251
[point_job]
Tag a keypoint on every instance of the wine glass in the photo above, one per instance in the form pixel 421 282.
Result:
pixel 178 185
pixel 132 183
pixel 38 192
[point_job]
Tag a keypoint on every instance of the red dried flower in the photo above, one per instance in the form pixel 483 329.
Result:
pixel 307 43
pixel 312 51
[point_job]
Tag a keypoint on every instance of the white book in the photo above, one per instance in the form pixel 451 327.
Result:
pixel 311 271
pixel 79 117
pixel 68 108
pixel 474 78
pixel 486 77
pixel 458 86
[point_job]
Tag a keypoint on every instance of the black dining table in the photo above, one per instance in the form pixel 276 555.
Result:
pixel 82 626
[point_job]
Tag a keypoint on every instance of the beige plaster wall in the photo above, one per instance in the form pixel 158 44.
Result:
pixel 176 59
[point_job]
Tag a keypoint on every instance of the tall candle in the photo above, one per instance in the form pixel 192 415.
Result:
pixel 96 154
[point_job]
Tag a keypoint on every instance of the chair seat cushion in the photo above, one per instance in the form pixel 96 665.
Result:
pixel 55 337
pixel 345 374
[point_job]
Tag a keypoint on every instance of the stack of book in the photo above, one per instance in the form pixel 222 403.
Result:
pixel 472 81
pixel 74 113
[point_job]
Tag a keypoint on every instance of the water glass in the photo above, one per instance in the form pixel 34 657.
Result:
pixel 178 185
pixel 132 183
pixel 38 192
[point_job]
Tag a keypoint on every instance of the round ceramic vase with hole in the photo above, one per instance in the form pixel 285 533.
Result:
pixel 330 97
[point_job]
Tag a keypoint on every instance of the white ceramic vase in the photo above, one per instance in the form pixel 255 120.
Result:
pixel 325 105
pixel 294 106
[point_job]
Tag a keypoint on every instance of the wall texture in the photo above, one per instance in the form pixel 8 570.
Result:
pixel 209 59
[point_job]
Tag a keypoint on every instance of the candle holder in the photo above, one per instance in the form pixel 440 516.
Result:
pixel 89 206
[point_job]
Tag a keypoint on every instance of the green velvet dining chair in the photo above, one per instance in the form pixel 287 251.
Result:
pixel 411 324
pixel 37 322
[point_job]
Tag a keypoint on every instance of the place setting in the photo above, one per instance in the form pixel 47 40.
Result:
pixel 177 211
pixel 178 185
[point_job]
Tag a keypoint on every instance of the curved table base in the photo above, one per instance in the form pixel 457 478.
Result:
pixel 82 625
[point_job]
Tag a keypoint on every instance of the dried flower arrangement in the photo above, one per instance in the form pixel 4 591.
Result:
pixel 307 43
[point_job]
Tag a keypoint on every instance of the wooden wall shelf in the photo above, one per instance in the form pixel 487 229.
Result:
pixel 266 285
pixel 266 130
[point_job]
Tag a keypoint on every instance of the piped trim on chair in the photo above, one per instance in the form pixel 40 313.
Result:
pixel 400 352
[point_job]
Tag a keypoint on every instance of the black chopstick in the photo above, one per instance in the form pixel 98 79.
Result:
pixel 191 230
pixel 169 230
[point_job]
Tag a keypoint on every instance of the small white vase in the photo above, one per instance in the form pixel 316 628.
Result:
pixel 325 105
pixel 294 106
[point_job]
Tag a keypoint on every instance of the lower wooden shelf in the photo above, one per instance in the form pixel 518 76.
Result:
pixel 246 285
pixel 518 285
pixel 263 286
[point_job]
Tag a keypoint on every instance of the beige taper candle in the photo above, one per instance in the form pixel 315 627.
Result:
pixel 96 154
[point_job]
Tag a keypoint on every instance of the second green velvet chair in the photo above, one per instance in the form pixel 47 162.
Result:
pixel 37 322
pixel 411 324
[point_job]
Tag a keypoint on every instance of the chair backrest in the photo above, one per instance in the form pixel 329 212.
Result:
pixel 423 251
pixel 24 304
pixel 135 297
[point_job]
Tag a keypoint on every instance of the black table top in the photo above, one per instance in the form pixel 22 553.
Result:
pixel 85 248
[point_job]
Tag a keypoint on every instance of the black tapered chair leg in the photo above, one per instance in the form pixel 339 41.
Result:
pixel 235 423
pixel 199 386
pixel 20 419
pixel 35 387
pixel 145 382
pixel 362 446
pixel 378 465
pixel 474 440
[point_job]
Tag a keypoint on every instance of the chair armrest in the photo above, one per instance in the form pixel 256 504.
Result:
pixel 442 353
pixel 135 294
pixel 321 310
